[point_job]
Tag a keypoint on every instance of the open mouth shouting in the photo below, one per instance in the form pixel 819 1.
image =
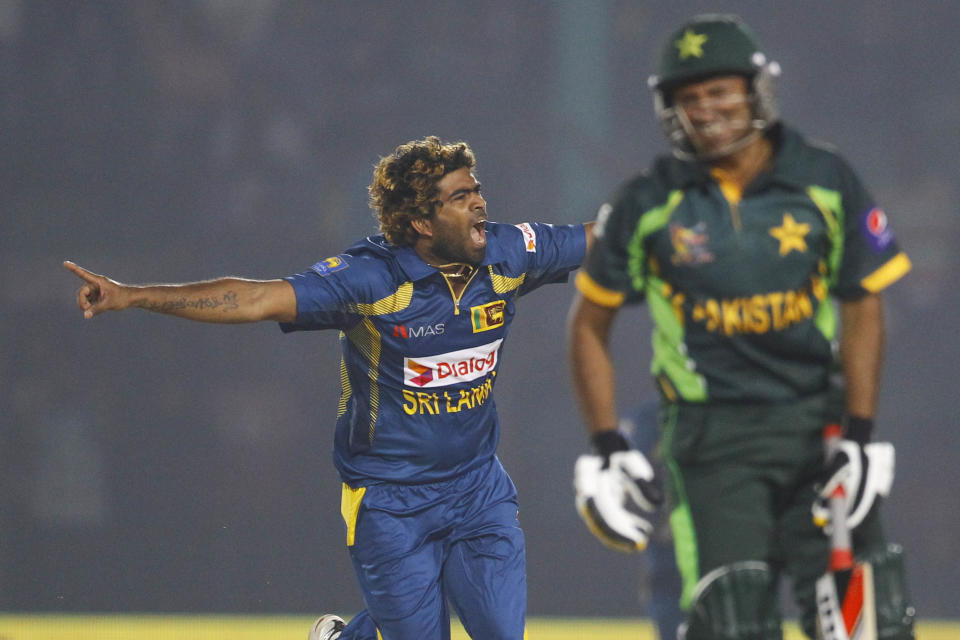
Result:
pixel 478 233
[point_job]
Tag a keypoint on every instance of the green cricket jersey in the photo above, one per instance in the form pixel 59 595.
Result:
pixel 739 285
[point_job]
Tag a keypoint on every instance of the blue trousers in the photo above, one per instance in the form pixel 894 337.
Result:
pixel 418 546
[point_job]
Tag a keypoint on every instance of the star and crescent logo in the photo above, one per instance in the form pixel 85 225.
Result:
pixel 691 44
pixel 791 234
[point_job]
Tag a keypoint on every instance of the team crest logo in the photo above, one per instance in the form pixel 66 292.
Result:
pixel 329 265
pixel 690 244
pixel 487 316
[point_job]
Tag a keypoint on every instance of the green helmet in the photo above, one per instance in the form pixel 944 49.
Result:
pixel 708 45
pixel 711 45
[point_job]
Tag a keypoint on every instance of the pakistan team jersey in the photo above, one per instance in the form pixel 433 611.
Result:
pixel 418 364
pixel 738 284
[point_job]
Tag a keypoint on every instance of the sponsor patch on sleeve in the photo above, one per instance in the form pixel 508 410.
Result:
pixel 874 226
pixel 328 265
pixel 529 237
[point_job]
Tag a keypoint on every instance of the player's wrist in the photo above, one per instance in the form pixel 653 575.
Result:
pixel 609 442
pixel 859 429
pixel 131 296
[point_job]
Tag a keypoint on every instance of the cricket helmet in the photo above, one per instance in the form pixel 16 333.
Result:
pixel 706 46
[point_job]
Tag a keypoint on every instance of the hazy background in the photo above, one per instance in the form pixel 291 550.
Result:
pixel 151 464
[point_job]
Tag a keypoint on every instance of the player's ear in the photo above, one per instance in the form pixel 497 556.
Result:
pixel 422 226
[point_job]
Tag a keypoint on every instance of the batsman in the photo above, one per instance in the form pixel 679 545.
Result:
pixel 762 258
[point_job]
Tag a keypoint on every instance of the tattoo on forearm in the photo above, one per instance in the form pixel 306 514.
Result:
pixel 228 302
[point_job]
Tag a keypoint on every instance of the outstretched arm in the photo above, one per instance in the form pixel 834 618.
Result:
pixel 591 366
pixel 224 300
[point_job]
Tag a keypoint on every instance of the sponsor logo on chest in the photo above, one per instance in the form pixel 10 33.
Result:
pixel 451 368
pixel 408 331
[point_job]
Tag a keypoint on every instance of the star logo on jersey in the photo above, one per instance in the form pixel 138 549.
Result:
pixel 791 234
pixel 691 44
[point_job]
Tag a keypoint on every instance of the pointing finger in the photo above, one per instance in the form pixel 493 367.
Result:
pixel 80 271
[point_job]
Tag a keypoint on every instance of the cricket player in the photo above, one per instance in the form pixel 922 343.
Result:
pixel 422 311
pixel 739 243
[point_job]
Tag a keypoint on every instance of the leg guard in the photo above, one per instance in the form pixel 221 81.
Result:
pixel 895 614
pixel 735 602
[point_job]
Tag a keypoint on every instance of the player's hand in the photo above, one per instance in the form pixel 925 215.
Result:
pixel 865 472
pixel 616 492
pixel 98 293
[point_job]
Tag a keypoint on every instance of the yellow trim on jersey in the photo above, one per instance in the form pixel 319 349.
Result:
pixel 350 500
pixel 367 340
pixel 505 284
pixel 890 272
pixel 597 294
pixel 396 301
pixel 345 389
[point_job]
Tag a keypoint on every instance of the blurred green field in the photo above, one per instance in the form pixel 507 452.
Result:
pixel 212 627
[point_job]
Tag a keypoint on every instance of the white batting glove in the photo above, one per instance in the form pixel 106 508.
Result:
pixel 615 495
pixel 865 472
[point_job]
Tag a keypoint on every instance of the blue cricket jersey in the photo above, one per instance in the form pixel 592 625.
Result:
pixel 419 365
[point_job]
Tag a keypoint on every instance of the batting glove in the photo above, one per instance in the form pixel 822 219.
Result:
pixel 616 491
pixel 864 469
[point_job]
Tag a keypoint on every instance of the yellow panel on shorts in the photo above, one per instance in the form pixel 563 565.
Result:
pixel 350 500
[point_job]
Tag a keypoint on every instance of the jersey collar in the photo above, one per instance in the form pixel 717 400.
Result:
pixel 785 141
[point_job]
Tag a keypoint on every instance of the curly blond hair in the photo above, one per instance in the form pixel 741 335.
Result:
pixel 405 184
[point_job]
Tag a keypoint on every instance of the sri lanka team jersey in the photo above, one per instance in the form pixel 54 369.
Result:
pixel 419 365
pixel 738 284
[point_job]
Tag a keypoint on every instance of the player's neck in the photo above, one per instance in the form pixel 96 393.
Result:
pixel 455 271
pixel 746 164
pixel 449 268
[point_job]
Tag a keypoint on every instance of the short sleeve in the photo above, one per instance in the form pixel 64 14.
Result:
pixel 605 278
pixel 324 293
pixel 872 259
pixel 551 251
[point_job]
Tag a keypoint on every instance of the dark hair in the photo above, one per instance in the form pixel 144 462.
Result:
pixel 405 184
